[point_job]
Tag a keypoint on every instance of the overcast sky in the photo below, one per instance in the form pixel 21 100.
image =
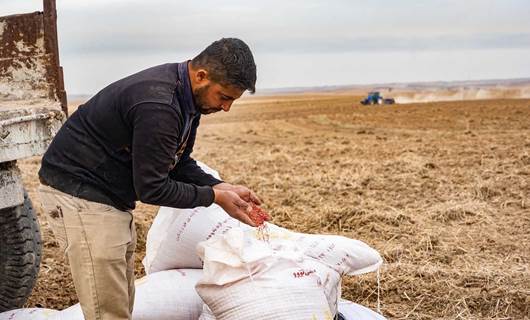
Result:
pixel 297 42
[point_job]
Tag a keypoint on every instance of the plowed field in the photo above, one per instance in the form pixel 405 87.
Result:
pixel 441 190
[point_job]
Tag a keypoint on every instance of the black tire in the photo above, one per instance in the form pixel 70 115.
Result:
pixel 20 254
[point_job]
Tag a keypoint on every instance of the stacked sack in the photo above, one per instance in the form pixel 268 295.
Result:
pixel 243 278
pixel 249 273
pixel 29 314
pixel 165 295
pixel 256 269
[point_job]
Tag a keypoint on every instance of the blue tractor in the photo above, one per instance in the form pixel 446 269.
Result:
pixel 375 97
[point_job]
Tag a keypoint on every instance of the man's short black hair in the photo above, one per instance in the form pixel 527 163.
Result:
pixel 229 61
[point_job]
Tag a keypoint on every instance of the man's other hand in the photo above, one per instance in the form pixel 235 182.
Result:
pixel 234 205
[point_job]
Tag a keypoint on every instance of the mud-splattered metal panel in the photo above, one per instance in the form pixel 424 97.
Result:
pixel 27 69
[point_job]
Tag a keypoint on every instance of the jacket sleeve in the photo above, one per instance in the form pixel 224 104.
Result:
pixel 156 130
pixel 187 169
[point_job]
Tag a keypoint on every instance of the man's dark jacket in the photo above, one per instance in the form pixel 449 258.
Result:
pixel 128 143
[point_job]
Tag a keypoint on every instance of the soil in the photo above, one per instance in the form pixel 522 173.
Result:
pixel 441 190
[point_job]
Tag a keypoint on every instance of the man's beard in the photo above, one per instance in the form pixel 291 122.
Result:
pixel 199 96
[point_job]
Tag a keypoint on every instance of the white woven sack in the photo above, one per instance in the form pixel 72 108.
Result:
pixel 344 255
pixel 245 279
pixel 175 233
pixel 173 237
pixel 166 295
pixel 354 311
pixel 28 314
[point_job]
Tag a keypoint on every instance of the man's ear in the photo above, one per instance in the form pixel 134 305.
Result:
pixel 201 75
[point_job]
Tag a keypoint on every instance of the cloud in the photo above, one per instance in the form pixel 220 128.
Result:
pixel 122 42
pixel 101 41
pixel 295 26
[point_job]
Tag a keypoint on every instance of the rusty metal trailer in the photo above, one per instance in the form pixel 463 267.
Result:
pixel 32 109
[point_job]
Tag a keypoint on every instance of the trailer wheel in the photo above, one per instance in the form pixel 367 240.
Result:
pixel 20 254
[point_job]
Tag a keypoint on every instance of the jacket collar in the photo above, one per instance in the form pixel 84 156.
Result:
pixel 184 88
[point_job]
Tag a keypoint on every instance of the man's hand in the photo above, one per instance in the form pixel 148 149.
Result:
pixel 234 205
pixel 242 191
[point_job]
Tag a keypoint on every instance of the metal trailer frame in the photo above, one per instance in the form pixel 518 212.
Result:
pixel 33 107
pixel 33 103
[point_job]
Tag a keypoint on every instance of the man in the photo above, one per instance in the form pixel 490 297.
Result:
pixel 132 141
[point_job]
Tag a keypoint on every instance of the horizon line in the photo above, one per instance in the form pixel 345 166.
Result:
pixel 371 85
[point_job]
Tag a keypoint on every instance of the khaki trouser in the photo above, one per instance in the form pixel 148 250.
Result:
pixel 99 241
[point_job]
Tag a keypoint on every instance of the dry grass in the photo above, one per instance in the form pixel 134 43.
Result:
pixel 441 190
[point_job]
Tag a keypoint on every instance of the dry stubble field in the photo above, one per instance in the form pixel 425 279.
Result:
pixel 442 190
